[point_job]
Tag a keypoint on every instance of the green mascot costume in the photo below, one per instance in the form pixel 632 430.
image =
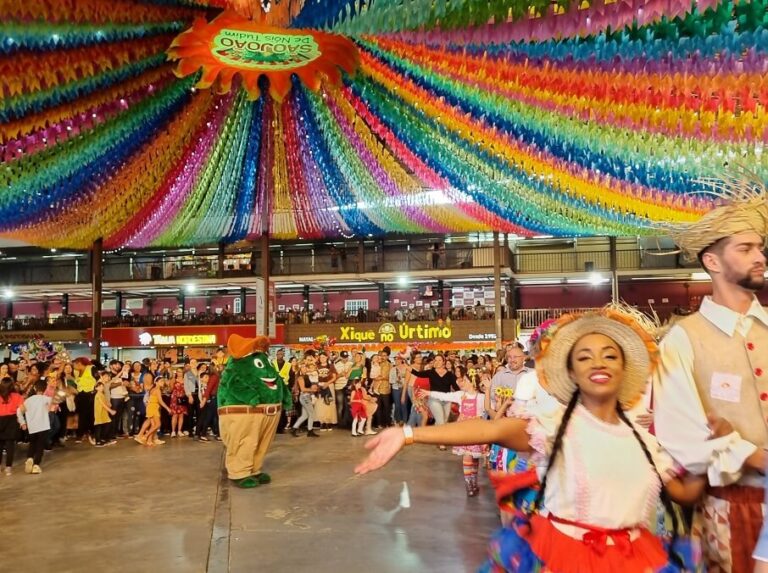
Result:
pixel 251 395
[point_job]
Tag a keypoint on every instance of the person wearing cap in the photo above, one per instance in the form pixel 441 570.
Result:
pixel 714 363
pixel 601 475
pixel 283 368
pixel 250 398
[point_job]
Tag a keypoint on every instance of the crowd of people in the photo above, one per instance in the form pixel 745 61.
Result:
pixel 45 403
pixel 153 400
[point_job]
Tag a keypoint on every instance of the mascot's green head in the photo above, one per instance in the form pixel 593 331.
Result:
pixel 249 361
pixel 249 378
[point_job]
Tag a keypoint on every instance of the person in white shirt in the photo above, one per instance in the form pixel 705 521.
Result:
pixel 714 364
pixel 33 417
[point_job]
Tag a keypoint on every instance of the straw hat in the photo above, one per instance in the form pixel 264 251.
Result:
pixel 639 348
pixel 743 208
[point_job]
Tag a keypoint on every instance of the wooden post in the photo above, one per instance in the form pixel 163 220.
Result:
pixel 265 269
pixel 220 270
pixel 614 271
pixel 497 290
pixel 97 251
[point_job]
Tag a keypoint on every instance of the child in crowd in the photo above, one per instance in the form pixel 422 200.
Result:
pixel 102 411
pixel 10 401
pixel 33 417
pixel 357 400
pixel 471 405
pixel 148 434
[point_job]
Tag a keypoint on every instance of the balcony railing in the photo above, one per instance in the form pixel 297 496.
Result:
pixel 153 267
pixel 588 261
pixel 421 313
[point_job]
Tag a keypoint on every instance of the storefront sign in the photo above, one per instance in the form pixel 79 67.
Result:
pixel 482 336
pixel 402 332
pixel 443 334
pixel 148 339
pixel 202 335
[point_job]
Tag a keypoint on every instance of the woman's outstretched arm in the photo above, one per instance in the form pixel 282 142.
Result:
pixel 507 432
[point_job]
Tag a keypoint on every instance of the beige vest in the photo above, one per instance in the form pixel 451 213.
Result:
pixel 719 361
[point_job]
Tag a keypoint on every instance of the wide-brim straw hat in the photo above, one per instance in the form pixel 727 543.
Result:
pixel 743 207
pixel 638 346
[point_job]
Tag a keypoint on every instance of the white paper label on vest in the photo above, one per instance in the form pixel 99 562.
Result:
pixel 726 387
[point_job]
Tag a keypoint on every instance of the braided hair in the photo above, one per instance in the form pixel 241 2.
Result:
pixel 665 499
pixel 556 447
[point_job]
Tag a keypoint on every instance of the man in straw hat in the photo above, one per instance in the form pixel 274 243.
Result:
pixel 714 364
pixel 599 472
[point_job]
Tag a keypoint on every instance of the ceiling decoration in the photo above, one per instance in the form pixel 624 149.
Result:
pixel 523 116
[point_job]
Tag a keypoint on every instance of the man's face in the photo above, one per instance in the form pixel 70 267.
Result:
pixel 515 358
pixel 741 261
pixel 280 355
pixel 115 367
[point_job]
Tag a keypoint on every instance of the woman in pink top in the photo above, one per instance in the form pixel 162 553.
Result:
pixel 9 425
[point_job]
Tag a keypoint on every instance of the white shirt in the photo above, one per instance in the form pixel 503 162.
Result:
pixel 601 476
pixel 36 414
pixel 679 417
pixel 531 397
pixel 458 396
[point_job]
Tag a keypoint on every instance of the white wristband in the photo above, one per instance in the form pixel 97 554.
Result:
pixel 408 433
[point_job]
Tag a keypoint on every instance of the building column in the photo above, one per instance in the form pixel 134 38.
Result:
pixel 97 251
pixel 512 298
pixel 361 257
pixel 118 303
pixel 441 298
pixel 382 297
pixel 220 269
pixel 265 272
pixel 65 304
pixel 497 290
pixel 614 270
pixel 243 293
pixel 305 292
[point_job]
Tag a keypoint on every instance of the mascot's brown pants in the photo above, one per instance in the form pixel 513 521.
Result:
pixel 247 438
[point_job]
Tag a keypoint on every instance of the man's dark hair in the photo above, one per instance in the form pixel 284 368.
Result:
pixel 41 386
pixel 716 248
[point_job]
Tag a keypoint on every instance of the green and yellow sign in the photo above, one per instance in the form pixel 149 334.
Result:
pixel 402 332
pixel 264 51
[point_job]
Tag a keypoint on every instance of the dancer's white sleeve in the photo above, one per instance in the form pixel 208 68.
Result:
pixel 681 422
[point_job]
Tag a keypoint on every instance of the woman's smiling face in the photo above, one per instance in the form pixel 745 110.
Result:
pixel 596 364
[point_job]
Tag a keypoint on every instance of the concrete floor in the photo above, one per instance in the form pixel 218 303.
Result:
pixel 134 509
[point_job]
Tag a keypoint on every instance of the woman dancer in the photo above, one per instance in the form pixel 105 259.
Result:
pixel 600 474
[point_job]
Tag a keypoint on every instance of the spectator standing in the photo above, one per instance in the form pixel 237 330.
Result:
pixel 179 404
pixel 397 375
pixel 102 412
pixel 306 399
pixel 191 384
pixel 118 395
pixel 33 417
pixel 10 402
pixel 325 407
pixel 343 367
pixel 208 405
pixel 441 380
pixel 84 399
pixel 383 390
